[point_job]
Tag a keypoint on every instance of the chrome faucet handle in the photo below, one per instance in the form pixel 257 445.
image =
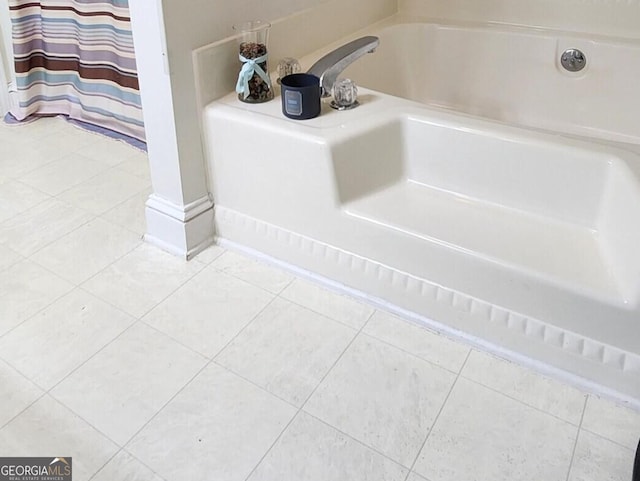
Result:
pixel 345 95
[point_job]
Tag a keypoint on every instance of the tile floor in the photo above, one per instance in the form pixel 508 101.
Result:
pixel 144 367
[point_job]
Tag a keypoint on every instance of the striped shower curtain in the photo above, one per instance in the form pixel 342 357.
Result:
pixel 76 57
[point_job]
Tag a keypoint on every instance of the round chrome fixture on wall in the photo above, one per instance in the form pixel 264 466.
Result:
pixel 573 60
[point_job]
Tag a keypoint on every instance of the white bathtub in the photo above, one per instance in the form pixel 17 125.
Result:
pixel 472 218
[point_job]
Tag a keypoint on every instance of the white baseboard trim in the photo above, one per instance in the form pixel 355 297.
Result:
pixel 575 359
pixel 183 231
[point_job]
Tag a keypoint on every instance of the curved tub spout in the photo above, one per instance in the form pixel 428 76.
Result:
pixel 331 65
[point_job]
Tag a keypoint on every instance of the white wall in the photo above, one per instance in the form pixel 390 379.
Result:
pixel 7 75
pixel 620 18
pixel 5 39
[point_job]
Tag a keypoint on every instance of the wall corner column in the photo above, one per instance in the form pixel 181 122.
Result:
pixel 179 212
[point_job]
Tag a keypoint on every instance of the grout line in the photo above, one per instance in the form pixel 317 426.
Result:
pixel 244 328
pixel 155 472
pixel 42 309
pixel 466 361
pixel 177 341
pixel 93 177
pixel 284 430
pixel 120 446
pixel 76 415
pixel 255 384
pixel 435 420
pixel 206 356
pixel 78 227
pixel 300 409
pixel 120 449
pixel 210 263
pixel 173 291
pixel 139 242
pixel 42 395
pixel 186 384
pixel 88 179
pixel 575 444
pixel 358 333
pixel 298 275
pixel 617 443
pixel 120 204
pixel 253 260
pixel 299 304
pixel 105 301
pixel 37 204
pixel 33 188
pixel 366 446
pixel 49 391
pixel 120 227
pixel 520 401
pixel 44 164
pixel 221 271
pixel 415 356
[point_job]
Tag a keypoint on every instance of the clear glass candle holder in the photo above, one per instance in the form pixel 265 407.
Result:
pixel 254 84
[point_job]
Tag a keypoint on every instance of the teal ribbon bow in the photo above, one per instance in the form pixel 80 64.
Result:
pixel 249 68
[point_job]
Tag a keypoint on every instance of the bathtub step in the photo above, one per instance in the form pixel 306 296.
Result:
pixel 565 254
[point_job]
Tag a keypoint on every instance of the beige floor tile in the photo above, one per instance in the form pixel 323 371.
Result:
pixel 16 197
pixel 87 250
pixel 335 306
pixel 527 386
pixel 41 225
pixel 125 384
pixel 137 163
pixel 65 173
pixel 415 477
pixel 612 421
pixel 124 467
pixel 68 139
pixel 28 132
pixel 310 450
pixel 418 341
pixel 252 271
pixel 210 254
pixel 208 311
pixel 218 427
pixel 19 158
pixel 16 393
pixel 287 350
pixel 50 345
pixel 139 281
pixel 486 436
pixel 8 257
pixel 109 151
pixel 104 192
pixel 47 428
pixel 597 459
pixel 25 289
pixel 383 397
pixel 130 214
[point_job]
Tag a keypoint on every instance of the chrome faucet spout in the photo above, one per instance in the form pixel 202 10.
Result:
pixel 331 65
